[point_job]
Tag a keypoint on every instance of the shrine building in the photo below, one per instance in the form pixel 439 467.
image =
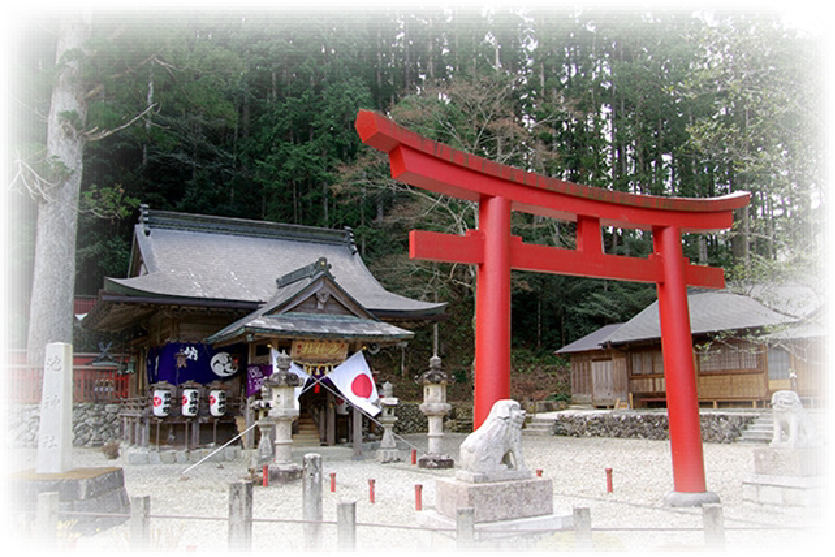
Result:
pixel 207 301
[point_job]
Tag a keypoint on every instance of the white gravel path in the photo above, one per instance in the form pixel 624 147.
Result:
pixel 642 475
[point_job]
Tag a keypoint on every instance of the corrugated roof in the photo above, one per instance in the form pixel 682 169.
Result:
pixel 710 311
pixel 590 342
pixel 217 258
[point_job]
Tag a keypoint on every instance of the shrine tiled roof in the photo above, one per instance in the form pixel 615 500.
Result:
pixel 204 257
pixel 591 341
pixel 712 312
pixel 772 311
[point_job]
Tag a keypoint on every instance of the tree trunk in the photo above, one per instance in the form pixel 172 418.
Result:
pixel 51 307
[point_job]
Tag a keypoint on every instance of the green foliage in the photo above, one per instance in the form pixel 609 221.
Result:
pixel 252 116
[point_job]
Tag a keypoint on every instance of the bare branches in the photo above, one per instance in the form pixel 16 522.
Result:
pixel 31 181
pixel 94 135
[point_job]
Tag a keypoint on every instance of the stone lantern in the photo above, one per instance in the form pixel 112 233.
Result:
pixel 279 388
pixel 388 446
pixel 435 407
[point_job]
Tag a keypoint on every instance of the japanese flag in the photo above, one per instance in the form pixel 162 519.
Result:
pixel 294 368
pixel 354 381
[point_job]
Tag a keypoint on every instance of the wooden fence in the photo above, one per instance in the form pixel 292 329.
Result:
pixel 240 521
pixel 24 384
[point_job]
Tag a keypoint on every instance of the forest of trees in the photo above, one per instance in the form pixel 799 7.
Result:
pixel 250 114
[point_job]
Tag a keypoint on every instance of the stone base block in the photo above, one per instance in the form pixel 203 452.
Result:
pixel 777 461
pixel 168 457
pixel 136 456
pixel 93 490
pixel 515 534
pixel 497 500
pixel 284 473
pixel 435 461
pixel 232 452
pixel 784 491
pixel 685 499
pixel 388 455
pixel 493 476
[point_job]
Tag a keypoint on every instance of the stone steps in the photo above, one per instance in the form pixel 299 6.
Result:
pixel 761 430
pixel 308 432
pixel 540 426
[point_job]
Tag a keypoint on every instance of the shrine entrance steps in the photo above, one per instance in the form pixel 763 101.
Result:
pixel 308 434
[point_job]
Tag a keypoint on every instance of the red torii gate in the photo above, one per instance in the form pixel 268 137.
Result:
pixel 500 189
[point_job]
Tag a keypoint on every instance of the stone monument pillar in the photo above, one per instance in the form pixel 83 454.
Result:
pixel 281 386
pixel 94 490
pixel 388 446
pixel 55 430
pixel 435 407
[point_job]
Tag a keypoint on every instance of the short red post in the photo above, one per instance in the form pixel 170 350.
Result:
pixel 266 479
pixel 414 456
pixel 539 472
pixel 371 490
pixel 608 480
pixel 418 497
pixel 333 482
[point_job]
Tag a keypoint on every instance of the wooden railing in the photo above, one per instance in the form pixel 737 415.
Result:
pixel 24 384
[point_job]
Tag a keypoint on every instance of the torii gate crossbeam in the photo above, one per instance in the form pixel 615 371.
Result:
pixel 499 190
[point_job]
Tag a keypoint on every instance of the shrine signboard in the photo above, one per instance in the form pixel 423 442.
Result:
pixel 499 190
pixel 320 351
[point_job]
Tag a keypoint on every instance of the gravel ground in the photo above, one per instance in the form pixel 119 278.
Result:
pixel 642 475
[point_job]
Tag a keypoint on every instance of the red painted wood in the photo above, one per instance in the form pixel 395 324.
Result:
pixel 383 134
pixel 499 190
pixel 679 369
pixel 492 309
pixel 435 246
pixel 588 235
pixel 420 170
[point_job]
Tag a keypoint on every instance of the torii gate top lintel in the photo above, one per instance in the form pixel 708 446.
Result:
pixel 437 167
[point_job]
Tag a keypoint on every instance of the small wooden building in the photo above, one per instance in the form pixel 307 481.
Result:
pixel 207 297
pixel 598 374
pixel 746 345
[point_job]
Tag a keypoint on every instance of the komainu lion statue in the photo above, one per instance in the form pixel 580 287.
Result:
pixel 790 417
pixel 494 451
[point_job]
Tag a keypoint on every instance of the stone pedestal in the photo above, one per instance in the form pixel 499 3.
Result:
pixel 91 490
pixel 497 485
pixel 494 501
pixel 786 477
pixel 436 461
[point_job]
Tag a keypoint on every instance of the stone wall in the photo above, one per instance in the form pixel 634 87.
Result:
pixel 93 424
pixel 411 420
pixel 716 428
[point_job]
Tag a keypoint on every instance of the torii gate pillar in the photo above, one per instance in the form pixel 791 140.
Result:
pixel 492 308
pixel 500 190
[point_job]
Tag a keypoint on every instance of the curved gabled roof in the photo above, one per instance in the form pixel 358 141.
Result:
pixel 710 312
pixel 183 255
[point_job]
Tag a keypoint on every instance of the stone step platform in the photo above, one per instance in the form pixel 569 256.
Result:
pixel 87 490
pixel 761 430
pixel 540 426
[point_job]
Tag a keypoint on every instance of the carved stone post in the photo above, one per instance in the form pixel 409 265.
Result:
pixel 388 446
pixel 435 407
pixel 280 387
